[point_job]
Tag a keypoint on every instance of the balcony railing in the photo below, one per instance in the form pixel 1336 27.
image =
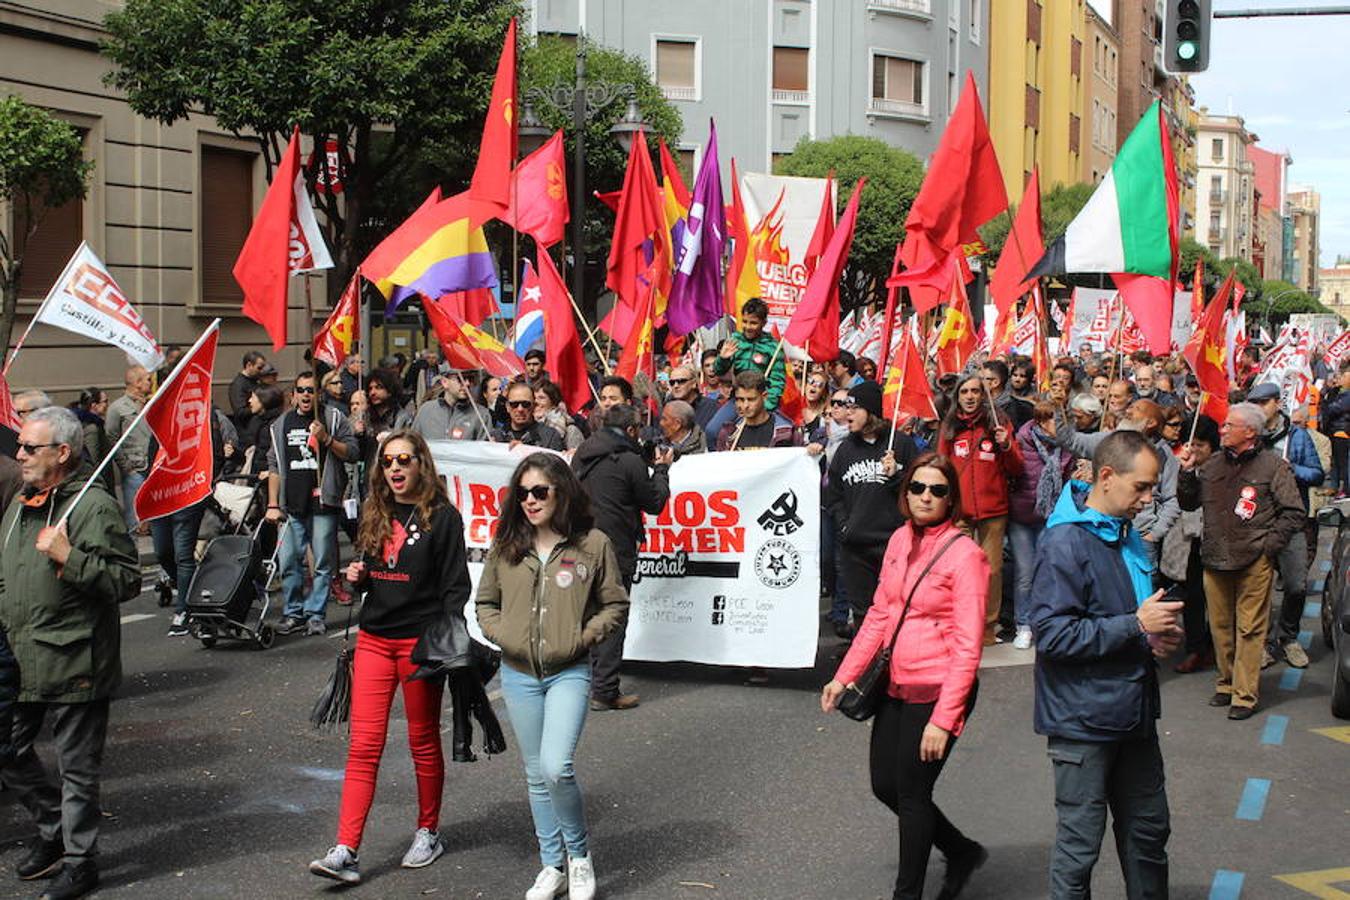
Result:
pixel 671 92
pixel 879 106
pixel 1216 198
pixel 923 7
pixel 782 96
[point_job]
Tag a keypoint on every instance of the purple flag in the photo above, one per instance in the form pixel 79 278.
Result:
pixel 696 292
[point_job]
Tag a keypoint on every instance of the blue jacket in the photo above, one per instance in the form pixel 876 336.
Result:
pixel 1302 454
pixel 1095 675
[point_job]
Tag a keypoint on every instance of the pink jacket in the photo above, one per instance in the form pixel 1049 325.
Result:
pixel 938 651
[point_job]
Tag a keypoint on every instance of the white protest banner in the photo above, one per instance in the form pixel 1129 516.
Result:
pixel 729 570
pixel 86 300
pixel 1096 321
pixel 1289 366
pixel 782 211
pixel 1338 350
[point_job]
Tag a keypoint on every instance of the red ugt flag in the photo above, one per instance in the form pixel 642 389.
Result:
pixel 180 417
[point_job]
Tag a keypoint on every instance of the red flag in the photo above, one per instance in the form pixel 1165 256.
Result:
pixel 1021 250
pixel 638 355
pixel 263 267
pixel 497 148
pixel 334 341
pixel 563 356
pixel 1207 354
pixel 8 417
pixel 1198 290
pixel 539 194
pixel 639 229
pixel 475 306
pixel 670 174
pixel 905 390
pixel 1040 350
pixel 816 319
pixel 791 403
pixel 820 238
pixel 742 281
pixel 962 190
pixel 956 340
pixel 180 418
pixel 1150 301
pixel 466 347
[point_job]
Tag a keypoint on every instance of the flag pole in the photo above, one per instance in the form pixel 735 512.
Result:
pixel 590 334
pixel 468 392
pixel 1195 419
pixel 140 417
pixel 4 373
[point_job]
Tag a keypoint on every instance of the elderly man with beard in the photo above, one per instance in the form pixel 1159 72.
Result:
pixel 61 581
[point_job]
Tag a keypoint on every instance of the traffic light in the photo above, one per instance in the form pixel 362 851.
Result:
pixel 1186 35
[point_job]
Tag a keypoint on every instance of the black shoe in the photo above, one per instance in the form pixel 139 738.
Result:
pixel 1240 713
pixel 74 881
pixel 844 631
pixel 1221 700
pixel 959 870
pixel 43 861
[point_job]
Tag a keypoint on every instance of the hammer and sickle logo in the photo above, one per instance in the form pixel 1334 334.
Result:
pixel 781 517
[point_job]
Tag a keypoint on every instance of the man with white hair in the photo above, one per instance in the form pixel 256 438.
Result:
pixel 1252 508
pixel 1087 413
pixel 133 457
pixel 60 586
pixel 680 430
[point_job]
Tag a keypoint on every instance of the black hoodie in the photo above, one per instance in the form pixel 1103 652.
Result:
pixel 861 499
pixel 621 490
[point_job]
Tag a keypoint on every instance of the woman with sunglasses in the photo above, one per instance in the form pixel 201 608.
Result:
pixel 817 397
pixel 414 569
pixel 550 591
pixel 931 600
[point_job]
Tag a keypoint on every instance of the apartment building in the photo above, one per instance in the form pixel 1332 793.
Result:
pixel 1226 183
pixel 1304 234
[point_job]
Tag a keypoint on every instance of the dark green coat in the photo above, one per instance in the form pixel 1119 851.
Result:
pixel 65 629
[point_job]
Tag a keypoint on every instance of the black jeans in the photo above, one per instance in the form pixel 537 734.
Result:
pixel 1125 777
pixel 67 810
pixel 1194 617
pixel 905 784
pixel 861 569
pixel 607 657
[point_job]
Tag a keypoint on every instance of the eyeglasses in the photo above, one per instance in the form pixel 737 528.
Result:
pixel 520 404
pixel 917 488
pixel 675 381
pixel 30 449
pixel 23 412
pixel 539 492
pixel 304 390
pixel 403 459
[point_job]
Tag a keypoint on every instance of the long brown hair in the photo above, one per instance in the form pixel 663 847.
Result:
pixel 377 516
pixel 931 460
pixel 953 424
pixel 572 516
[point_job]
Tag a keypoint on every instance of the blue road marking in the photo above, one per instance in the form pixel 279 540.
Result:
pixel 1324 566
pixel 1305 638
pixel 1227 885
pixel 1315 587
pixel 1274 731
pixel 1290 680
pixel 1253 803
pixel 1312 610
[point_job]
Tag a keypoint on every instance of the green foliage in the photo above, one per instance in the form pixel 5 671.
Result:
pixel 893 179
pixel 1276 300
pixel 42 166
pixel 402 86
pixel 551 63
pixel 1191 250
pixel 1058 208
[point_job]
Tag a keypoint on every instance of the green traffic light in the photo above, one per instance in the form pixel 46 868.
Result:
pixel 1186 50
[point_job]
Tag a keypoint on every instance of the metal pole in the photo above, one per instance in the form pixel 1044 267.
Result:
pixel 579 176
pixel 1265 12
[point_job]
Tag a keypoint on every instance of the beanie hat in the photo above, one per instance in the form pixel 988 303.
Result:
pixel 867 394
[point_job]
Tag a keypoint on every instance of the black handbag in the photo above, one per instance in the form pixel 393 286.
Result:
pixel 860 701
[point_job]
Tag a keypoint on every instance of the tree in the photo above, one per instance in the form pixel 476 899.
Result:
pixel 403 87
pixel 551 62
pixel 42 166
pixel 1059 205
pixel 1275 301
pixel 893 179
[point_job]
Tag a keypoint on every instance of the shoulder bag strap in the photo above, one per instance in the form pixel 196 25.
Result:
pixel 905 612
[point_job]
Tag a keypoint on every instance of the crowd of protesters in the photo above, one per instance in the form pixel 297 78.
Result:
pixel 1211 512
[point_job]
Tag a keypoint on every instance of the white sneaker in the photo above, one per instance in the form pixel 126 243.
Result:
pixel 580 879
pixel 339 865
pixel 549 883
pixel 426 849
pixel 1023 639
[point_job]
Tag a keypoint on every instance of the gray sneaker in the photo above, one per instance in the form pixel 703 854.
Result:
pixel 426 849
pixel 315 626
pixel 289 625
pixel 1295 655
pixel 340 865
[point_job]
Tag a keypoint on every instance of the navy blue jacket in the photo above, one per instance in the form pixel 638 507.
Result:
pixel 1096 679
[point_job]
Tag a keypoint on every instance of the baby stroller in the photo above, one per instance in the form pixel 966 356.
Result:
pixel 232 575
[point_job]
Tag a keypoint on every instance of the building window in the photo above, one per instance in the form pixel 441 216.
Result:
pixel 686 160
pixel 976 18
pixel 1076 57
pixel 897 86
pixel 791 74
pixel 1075 130
pixel 227 216
pixel 1216 149
pixel 1034 22
pixel 59 232
pixel 677 68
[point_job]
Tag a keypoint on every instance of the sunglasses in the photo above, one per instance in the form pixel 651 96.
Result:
pixel 307 390
pixel 520 404
pixel 675 381
pixel 539 492
pixel 848 402
pixel 1176 424
pixel 403 459
pixel 31 449
pixel 917 489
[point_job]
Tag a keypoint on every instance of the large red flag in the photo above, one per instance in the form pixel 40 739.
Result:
pixel 563 356
pixel 539 194
pixel 962 190
pixel 816 319
pixel 1150 301
pixel 466 347
pixel 639 229
pixel 638 347
pixel 334 341
pixel 905 389
pixel 820 238
pixel 180 418
pixel 475 306
pixel 1021 250
pixel 1206 352
pixel 1198 290
pixel 497 148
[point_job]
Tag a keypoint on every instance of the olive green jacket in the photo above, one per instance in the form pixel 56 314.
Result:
pixel 64 624
pixel 546 615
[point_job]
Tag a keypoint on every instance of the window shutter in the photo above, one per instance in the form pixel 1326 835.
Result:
pixel 227 215
pixel 60 230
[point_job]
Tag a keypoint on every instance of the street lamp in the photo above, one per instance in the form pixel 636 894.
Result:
pixel 1270 304
pixel 586 100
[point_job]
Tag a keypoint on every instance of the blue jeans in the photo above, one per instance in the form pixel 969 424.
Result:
pixel 1022 540
pixel 175 540
pixel 131 483
pixel 547 716
pixel 317 532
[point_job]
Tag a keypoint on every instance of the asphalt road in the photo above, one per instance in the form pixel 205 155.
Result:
pixel 215 786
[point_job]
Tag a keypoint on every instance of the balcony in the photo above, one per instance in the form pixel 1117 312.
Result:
pixel 899 109
pixel 918 8
pixel 1215 235
pixel 797 97
pixel 671 92
pixel 1217 198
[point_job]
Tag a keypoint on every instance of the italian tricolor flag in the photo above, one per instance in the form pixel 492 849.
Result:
pixel 1129 224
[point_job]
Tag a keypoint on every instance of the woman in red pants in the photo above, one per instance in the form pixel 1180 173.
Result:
pixel 414 569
